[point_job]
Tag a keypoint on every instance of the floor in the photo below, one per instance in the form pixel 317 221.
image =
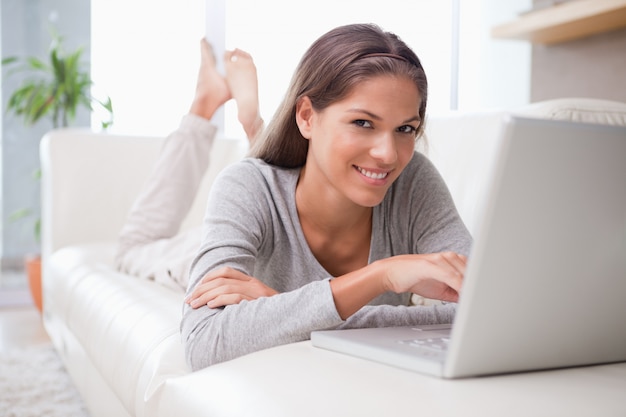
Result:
pixel 21 327
pixel 20 322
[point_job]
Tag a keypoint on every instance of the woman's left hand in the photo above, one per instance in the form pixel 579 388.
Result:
pixel 225 286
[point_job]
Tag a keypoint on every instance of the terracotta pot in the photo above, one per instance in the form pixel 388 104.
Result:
pixel 33 272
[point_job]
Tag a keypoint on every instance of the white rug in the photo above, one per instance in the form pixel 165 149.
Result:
pixel 34 383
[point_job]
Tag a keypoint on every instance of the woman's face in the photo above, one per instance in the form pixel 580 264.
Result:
pixel 359 146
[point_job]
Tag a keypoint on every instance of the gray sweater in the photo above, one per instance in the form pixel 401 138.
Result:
pixel 251 224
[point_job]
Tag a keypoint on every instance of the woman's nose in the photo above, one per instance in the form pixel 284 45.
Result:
pixel 384 148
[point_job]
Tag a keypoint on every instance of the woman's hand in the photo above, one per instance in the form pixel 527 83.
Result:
pixel 225 286
pixel 436 275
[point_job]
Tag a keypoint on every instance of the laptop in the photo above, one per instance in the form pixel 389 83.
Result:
pixel 545 285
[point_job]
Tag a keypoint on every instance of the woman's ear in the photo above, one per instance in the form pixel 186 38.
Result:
pixel 304 116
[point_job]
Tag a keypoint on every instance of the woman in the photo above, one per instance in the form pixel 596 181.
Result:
pixel 335 219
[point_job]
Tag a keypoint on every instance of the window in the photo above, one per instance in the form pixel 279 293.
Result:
pixel 277 33
pixel 146 54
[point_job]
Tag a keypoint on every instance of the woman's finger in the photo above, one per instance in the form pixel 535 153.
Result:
pixel 449 268
pixel 225 272
pixel 233 289
pixel 226 299
pixel 204 294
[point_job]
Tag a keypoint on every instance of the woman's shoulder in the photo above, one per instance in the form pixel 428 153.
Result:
pixel 254 172
pixel 421 160
pixel 256 186
pixel 420 169
pixel 420 183
pixel 259 166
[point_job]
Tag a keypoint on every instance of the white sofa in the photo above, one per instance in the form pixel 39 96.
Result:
pixel 119 336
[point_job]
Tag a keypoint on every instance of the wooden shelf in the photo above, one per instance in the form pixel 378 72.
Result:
pixel 564 22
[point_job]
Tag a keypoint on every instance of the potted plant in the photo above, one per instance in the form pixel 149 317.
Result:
pixel 54 89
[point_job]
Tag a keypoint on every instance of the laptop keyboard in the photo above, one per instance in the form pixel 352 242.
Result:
pixel 437 344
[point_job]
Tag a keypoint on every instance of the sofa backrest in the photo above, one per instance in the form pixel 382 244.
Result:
pixel 90 180
pixel 463 144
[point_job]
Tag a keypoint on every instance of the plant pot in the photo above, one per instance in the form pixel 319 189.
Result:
pixel 33 273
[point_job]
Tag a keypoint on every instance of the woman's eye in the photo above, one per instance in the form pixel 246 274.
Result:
pixel 407 129
pixel 362 123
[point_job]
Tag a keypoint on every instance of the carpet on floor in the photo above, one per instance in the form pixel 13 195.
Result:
pixel 34 383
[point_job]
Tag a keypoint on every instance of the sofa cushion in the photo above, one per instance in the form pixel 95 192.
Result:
pixel 585 110
pixel 128 327
pixel 463 146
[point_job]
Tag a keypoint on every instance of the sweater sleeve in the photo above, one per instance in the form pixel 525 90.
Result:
pixel 215 335
pixel 239 220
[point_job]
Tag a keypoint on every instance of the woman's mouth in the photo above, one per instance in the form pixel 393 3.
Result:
pixel 371 174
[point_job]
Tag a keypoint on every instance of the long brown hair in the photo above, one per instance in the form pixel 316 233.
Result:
pixel 327 73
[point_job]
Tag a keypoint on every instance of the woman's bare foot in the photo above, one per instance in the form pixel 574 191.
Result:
pixel 242 80
pixel 211 88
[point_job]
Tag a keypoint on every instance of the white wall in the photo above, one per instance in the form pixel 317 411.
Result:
pixel 492 73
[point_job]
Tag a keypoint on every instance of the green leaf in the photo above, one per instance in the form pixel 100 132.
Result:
pixel 19 214
pixel 36 64
pixel 37 230
pixel 108 105
pixel 9 60
pixel 55 89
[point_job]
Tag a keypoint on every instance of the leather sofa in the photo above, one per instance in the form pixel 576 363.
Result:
pixel 119 336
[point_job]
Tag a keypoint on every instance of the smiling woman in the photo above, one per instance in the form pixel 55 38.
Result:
pixel 335 220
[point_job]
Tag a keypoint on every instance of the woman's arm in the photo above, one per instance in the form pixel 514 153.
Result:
pixel 351 292
pixel 240 227
pixel 244 231
pixel 424 214
pixel 437 275
pixel 241 213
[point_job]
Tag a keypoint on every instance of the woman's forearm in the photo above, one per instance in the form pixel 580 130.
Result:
pixel 435 275
pixel 215 335
pixel 354 290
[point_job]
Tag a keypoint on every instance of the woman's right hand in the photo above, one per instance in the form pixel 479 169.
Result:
pixel 436 275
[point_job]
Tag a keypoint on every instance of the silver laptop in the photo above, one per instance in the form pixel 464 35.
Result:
pixel 546 280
